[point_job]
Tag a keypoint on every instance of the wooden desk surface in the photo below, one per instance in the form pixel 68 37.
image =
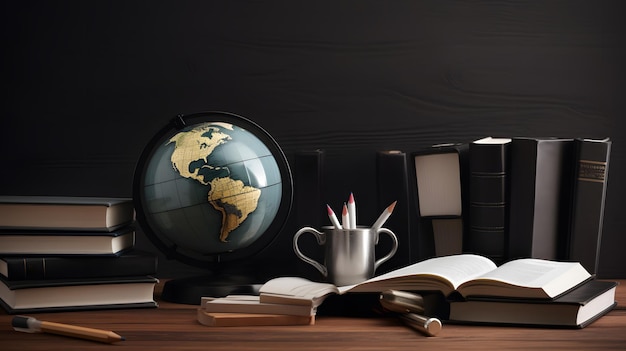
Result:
pixel 174 327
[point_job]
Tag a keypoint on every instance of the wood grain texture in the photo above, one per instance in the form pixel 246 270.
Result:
pixel 174 327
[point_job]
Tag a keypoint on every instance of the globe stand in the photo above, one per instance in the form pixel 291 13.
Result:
pixel 190 290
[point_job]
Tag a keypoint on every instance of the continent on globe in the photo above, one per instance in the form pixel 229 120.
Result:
pixel 190 158
pixel 195 145
pixel 234 200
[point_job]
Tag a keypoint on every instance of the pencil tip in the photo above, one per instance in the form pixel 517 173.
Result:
pixel 392 206
pixel 122 338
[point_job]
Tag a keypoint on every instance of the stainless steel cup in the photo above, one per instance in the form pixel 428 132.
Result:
pixel 350 254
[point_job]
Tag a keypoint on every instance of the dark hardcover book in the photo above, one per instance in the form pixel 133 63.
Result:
pixel 441 178
pixel 308 179
pixel 540 197
pixel 575 309
pixel 65 212
pixel 589 191
pixel 489 197
pixel 448 235
pixel 392 185
pixel 118 306
pixel 132 263
pixel 29 296
pixel 40 242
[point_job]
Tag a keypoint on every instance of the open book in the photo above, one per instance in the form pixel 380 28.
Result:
pixel 467 274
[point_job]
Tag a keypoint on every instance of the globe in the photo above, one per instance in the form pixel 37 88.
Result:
pixel 211 188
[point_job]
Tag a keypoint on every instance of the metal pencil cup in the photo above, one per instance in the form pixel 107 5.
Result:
pixel 350 254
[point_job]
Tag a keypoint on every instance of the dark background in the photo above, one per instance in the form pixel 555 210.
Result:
pixel 87 83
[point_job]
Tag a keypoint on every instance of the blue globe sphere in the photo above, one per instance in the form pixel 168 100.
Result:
pixel 212 186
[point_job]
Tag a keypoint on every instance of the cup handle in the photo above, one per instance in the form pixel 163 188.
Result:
pixel 393 250
pixel 321 240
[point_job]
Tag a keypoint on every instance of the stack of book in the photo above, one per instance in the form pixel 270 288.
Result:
pixel 247 310
pixel 71 253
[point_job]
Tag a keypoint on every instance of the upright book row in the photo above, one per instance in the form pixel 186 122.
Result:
pixel 507 198
pixel 504 198
pixel 71 253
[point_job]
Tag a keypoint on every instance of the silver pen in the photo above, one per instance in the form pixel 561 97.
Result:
pixel 428 325
pixel 409 307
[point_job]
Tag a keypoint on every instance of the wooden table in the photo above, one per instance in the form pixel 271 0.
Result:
pixel 174 327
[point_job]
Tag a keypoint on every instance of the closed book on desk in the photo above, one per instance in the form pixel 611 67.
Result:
pixel 541 172
pixel 575 309
pixel 132 263
pixel 216 319
pixel 65 212
pixel 76 294
pixel 589 192
pixel 40 242
pixel 488 197
pixel 441 176
pixel 252 304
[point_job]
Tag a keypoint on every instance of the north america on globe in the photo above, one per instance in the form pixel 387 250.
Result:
pixel 190 158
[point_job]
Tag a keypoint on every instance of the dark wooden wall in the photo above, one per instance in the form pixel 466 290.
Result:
pixel 87 83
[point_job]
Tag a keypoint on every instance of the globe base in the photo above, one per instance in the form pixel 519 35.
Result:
pixel 190 290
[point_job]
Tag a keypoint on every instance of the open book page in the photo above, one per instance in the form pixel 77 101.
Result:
pixel 295 290
pixel 528 278
pixel 441 273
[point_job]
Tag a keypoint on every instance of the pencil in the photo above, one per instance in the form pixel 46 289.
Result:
pixel 352 211
pixel 345 217
pixel 384 216
pixel 333 218
pixel 32 325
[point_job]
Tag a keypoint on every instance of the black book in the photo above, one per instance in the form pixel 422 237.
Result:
pixel 540 197
pixel 575 309
pixel 589 192
pixel 308 177
pixel 132 263
pixel 393 185
pixel 489 197
pixel 441 177
pixel 58 295
pixel 60 242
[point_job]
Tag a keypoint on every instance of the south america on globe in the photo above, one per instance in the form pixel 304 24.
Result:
pixel 231 197
pixel 211 187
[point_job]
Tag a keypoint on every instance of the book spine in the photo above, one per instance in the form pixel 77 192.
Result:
pixel 76 267
pixel 441 193
pixel 308 189
pixel 448 235
pixel 80 308
pixel 589 192
pixel 488 198
pixel 249 319
pixel 392 185
pixel 539 197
